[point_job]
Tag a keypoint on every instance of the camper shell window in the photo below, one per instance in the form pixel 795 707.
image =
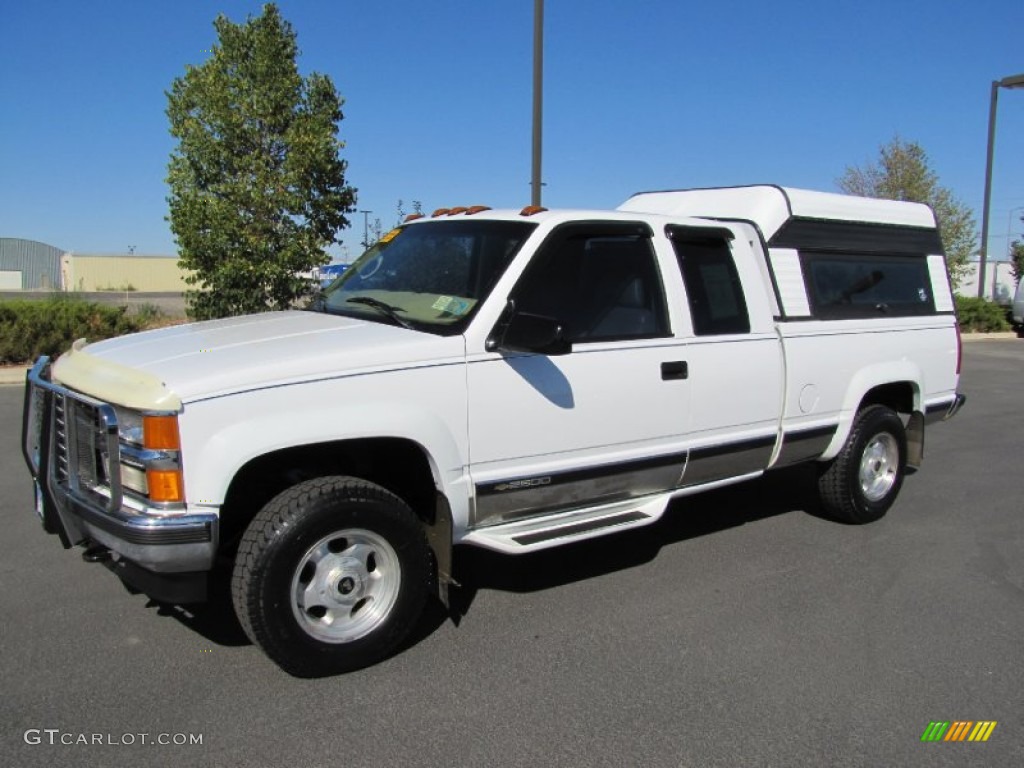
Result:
pixel 853 285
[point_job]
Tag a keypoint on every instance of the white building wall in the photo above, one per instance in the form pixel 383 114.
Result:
pixel 999 282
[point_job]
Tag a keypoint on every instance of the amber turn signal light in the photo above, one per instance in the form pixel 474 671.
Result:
pixel 160 433
pixel 165 485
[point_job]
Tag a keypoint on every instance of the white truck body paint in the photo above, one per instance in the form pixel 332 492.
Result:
pixel 532 450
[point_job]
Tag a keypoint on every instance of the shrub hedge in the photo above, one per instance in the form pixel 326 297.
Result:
pixel 980 315
pixel 29 328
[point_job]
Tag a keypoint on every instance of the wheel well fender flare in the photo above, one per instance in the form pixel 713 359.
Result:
pixel 216 460
pixel 875 379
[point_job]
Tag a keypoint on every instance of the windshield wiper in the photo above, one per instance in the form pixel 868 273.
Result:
pixel 385 308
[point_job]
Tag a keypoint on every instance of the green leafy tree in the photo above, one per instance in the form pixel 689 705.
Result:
pixel 1017 260
pixel 902 172
pixel 257 186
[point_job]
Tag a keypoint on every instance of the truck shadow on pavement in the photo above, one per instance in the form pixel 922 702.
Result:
pixel 215 619
pixel 777 493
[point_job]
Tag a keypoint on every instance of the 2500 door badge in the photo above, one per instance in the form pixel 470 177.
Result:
pixel 519 485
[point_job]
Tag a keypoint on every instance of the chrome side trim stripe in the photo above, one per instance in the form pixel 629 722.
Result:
pixel 804 445
pixel 717 462
pixel 519 497
pixel 522 497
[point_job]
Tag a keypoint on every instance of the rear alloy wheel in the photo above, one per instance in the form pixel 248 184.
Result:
pixel 331 575
pixel 862 482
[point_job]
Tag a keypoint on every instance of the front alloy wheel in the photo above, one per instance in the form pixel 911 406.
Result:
pixel 331 575
pixel 346 585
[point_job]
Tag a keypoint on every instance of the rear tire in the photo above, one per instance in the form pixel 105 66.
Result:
pixel 331 576
pixel 862 482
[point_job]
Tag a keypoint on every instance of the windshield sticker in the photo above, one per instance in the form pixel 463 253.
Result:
pixel 390 236
pixel 451 305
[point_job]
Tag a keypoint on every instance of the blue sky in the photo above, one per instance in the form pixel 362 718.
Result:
pixel 640 95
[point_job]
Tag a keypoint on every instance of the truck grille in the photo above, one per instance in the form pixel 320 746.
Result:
pixel 60 441
pixel 89 444
pixel 70 441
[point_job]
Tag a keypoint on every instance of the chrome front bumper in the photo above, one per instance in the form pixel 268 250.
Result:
pixel 70 444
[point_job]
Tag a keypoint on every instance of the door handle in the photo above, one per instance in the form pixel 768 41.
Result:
pixel 677 369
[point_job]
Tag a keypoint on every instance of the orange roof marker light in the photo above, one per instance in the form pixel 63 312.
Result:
pixel 477 209
pixel 413 217
pixel 439 212
pixel 530 210
pixel 458 210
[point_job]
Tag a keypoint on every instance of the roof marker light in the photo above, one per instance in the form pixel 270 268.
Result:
pixel 440 212
pixel 530 210
pixel 477 209
pixel 458 210
pixel 413 217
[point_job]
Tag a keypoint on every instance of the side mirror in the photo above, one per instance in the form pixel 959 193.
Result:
pixel 534 333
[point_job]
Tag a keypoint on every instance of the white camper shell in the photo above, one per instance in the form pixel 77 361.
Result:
pixel 790 222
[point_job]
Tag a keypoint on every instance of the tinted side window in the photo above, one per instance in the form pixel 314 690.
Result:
pixel 600 287
pixel 717 304
pixel 849 286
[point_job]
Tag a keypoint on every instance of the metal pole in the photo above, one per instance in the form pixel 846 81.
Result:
pixel 538 97
pixel 983 253
pixel 366 229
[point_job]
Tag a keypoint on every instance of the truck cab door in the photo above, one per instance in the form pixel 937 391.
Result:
pixel 595 415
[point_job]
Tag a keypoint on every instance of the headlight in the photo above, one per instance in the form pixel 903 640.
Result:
pixel 151 455
pixel 129 426
pixel 134 479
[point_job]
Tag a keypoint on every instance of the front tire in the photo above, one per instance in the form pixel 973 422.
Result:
pixel 331 575
pixel 862 482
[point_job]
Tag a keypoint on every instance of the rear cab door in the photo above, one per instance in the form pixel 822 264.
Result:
pixel 734 355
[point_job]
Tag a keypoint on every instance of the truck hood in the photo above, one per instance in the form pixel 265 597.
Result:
pixel 164 368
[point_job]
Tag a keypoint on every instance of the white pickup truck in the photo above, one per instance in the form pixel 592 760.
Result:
pixel 514 380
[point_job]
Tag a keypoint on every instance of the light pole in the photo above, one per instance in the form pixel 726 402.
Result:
pixel 366 228
pixel 538 97
pixel 1013 81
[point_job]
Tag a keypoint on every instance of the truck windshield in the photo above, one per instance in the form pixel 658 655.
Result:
pixel 430 276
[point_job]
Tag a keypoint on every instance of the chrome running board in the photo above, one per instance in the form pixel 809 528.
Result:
pixel 545 531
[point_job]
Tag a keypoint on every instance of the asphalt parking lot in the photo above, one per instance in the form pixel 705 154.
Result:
pixel 740 630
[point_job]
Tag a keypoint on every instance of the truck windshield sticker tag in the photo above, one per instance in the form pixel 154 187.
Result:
pixel 451 305
pixel 390 235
